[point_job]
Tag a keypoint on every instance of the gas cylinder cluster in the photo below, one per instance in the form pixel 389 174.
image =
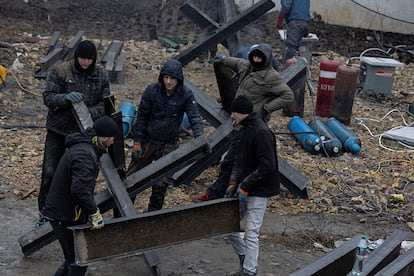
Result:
pixel 330 137
pixel 336 90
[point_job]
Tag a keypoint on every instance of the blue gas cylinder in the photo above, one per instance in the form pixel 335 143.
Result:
pixel 330 143
pixel 350 142
pixel 129 114
pixel 309 140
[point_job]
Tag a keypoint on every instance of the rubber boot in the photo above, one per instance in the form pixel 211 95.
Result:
pixel 248 273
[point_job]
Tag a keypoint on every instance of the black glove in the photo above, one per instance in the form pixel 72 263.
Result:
pixel 265 114
pixel 73 97
pixel 231 190
pixel 219 59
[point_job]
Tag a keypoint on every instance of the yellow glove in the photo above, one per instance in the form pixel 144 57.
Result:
pixel 96 220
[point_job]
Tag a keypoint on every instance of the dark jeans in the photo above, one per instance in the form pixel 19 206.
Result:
pixel 65 238
pixel 53 151
pixel 219 187
pixel 151 152
pixel 294 34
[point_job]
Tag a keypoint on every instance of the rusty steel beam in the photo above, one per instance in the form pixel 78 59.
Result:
pixel 403 265
pixel 47 62
pixel 117 187
pixel 73 44
pixel 209 109
pixel 219 142
pixel 384 254
pixel 123 237
pixel 138 182
pixel 234 25
pixel 338 262
pixel 201 19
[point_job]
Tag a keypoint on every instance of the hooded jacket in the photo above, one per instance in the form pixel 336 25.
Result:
pixel 295 10
pixel 263 86
pixel 65 78
pixel 255 167
pixel 74 180
pixel 159 115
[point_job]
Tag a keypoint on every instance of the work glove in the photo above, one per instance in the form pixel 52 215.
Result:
pixel 265 114
pixel 279 21
pixel 242 195
pixel 137 152
pixel 231 190
pixel 96 220
pixel 73 97
pixel 219 59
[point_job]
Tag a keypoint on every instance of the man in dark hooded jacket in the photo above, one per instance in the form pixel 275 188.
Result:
pixel 264 87
pixel 157 127
pixel 70 200
pixel 70 82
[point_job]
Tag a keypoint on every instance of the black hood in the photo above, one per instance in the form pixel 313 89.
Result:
pixel 172 68
pixel 265 51
pixel 88 136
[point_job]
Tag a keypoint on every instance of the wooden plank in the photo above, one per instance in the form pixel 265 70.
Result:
pixel 338 262
pixel 234 25
pixel 123 237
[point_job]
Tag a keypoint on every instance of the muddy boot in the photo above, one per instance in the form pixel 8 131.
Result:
pixel 77 270
pixel 238 273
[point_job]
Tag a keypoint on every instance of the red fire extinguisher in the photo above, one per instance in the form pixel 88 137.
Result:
pixel 326 86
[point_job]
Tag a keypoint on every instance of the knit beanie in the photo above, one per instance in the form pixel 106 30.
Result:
pixel 242 105
pixel 105 126
pixel 86 49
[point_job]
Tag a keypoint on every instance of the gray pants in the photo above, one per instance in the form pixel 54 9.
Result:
pixel 294 34
pixel 247 243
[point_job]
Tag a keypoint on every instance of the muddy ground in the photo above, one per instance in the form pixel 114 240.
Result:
pixel 348 194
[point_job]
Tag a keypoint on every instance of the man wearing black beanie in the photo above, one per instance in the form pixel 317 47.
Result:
pixel 254 179
pixel 68 83
pixel 70 200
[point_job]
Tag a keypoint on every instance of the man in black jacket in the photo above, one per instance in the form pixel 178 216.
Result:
pixel 159 116
pixel 254 179
pixel 73 81
pixel 70 200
